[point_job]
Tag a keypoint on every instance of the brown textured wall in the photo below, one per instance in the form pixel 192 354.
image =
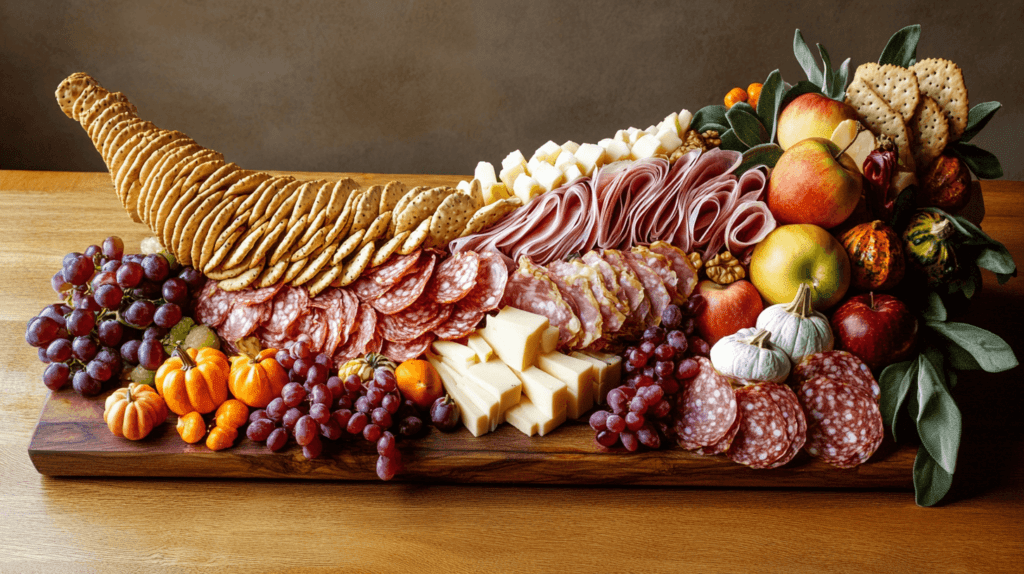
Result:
pixel 406 87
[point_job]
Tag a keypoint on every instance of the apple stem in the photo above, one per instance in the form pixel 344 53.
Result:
pixel 759 339
pixel 860 128
pixel 801 305
pixel 871 297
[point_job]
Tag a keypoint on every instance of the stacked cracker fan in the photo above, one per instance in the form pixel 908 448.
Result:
pixel 246 228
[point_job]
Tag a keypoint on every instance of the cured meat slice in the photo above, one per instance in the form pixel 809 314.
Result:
pixel 288 304
pixel 762 438
pixel 577 288
pixel 681 264
pixel 407 290
pixel 796 422
pixel 375 282
pixel 242 320
pixel 314 324
pixel 349 319
pixel 271 340
pixel 654 288
pixel 842 366
pixel 455 277
pixel 749 223
pixel 613 311
pixel 490 284
pixel 706 410
pixel 461 323
pixel 844 424
pixel 723 445
pixel 357 345
pixel 530 289
pixel 399 352
pixel 630 287
pixel 213 305
pixel 257 296
pixel 625 192
pixel 413 321
pixel 376 342
pixel 334 312
pixel 659 264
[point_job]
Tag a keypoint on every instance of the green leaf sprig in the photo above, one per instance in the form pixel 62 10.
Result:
pixel 830 81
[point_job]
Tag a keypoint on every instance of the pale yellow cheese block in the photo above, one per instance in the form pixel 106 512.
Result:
pixel 549 340
pixel 607 371
pixel 530 420
pixel 493 379
pixel 473 418
pixel 578 377
pixel 549 395
pixel 484 352
pixel 456 353
pixel 515 336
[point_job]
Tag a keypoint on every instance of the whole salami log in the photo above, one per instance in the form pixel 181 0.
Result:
pixel 845 426
pixel 842 366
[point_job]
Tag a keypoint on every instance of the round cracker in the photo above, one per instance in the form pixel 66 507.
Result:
pixel 488 215
pixel 272 274
pixel 348 246
pixel 316 263
pixel 943 81
pixel 242 281
pixel 355 267
pixel 389 248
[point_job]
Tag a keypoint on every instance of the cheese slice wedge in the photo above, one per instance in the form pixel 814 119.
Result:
pixel 578 377
pixel 493 380
pixel 457 353
pixel 549 340
pixel 484 400
pixel 607 374
pixel 530 420
pixel 484 352
pixel 472 417
pixel 549 395
pixel 515 336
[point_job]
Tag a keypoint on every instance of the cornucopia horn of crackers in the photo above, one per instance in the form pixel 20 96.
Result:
pixel 247 228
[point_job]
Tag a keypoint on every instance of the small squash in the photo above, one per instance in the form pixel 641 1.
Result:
pixel 191 427
pixel 364 366
pixel 193 380
pixel 256 378
pixel 133 411
pixel 749 355
pixel 232 413
pixel 928 240
pixel 876 256
pixel 221 438
pixel 796 327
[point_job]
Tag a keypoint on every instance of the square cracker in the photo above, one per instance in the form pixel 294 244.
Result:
pixel 931 132
pixel 879 117
pixel 943 81
pixel 897 86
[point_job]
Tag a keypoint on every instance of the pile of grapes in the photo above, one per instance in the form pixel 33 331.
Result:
pixel 116 309
pixel 640 411
pixel 316 406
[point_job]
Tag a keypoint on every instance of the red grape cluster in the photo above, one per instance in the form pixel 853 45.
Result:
pixel 116 308
pixel 639 412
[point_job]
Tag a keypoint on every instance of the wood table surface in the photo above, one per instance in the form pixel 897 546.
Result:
pixel 175 525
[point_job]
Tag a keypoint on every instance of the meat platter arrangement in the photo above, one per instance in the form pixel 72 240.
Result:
pixel 771 280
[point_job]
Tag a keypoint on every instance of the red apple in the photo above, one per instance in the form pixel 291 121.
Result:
pixel 879 329
pixel 814 182
pixel 729 308
pixel 811 116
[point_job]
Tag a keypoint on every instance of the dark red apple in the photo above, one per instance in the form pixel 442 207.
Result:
pixel 729 308
pixel 879 329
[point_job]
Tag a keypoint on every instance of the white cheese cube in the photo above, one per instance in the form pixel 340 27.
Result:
pixel 483 351
pixel 515 336
pixel 590 157
pixel 513 159
pixel 548 152
pixel 548 176
pixel 495 191
pixel 645 147
pixel 670 141
pixel 607 376
pixel 565 161
pixel 634 134
pixel 570 146
pixel 671 122
pixel 463 186
pixel 578 377
pixel 651 130
pixel 485 173
pixel 455 352
pixel 616 151
pixel 527 188
pixel 509 174
pixel 533 166
pixel 547 393
pixel 549 340
pixel 530 420
pixel 572 174
pixel 683 122
pixel 622 136
pixel 473 417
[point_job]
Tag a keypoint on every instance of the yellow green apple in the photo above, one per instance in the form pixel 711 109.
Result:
pixel 811 116
pixel 801 253
pixel 814 182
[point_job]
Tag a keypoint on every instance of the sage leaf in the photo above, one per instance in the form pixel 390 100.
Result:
pixel 746 126
pixel 934 309
pixel 842 78
pixel 991 352
pixel 742 107
pixel 931 481
pixel 984 164
pixel 769 103
pixel 763 154
pixel 798 90
pixel 709 115
pixel 895 381
pixel 977 118
pixel 938 421
pixel 951 378
pixel 806 59
pixel 828 79
pixel 901 50
pixel 998 261
pixel 731 142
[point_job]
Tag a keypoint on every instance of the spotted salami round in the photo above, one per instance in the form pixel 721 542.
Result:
pixel 461 323
pixel 288 304
pixel 726 441
pixel 243 320
pixel 314 324
pixel 842 366
pixel 796 422
pixel 406 291
pixel 845 426
pixel 762 438
pixel 357 344
pixel 399 352
pixel 706 410
pixel 414 321
pixel 213 305
pixel 491 279
pixel 454 278
pixel 256 296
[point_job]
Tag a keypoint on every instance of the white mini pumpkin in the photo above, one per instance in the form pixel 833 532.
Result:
pixel 749 355
pixel 796 327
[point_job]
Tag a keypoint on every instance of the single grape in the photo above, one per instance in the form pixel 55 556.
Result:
pixel 699 346
pixel 103 278
pixel 385 379
pixel 617 400
pixel 314 448
pixel 670 385
pixel 277 439
pixel 276 409
pixel 647 349
pixel 325 360
pixel 607 438
pixel 67 259
pixel 111 358
pixel 301 366
pixel 411 426
pixel 109 296
pixel 671 317
pixel 357 423
pixel 86 385
pixel 140 313
pixel 130 351
pixel 615 423
pixel 677 341
pixel 336 387
pixel 344 402
pixel 375 396
pixel 689 326
pixel 80 323
pixel 147 289
pixel 386 444
pixel 694 306
pixel 301 350
pixel 305 429
pixel 320 413
pixel 599 420
pixel 259 430
pixel 353 384
pixel 372 432
pixel 113 247
pixel 648 436
pixel 664 352
pixel 653 394
pixel 175 290
pixel 381 417
pixel 99 370
pixel 637 405
pixel 59 350
pixel 317 374
pixel 79 270
pixel 110 332
pixel 84 349
pixel 293 394
pixel 331 430
pixel 637 359
pixel 257 415
pixel 320 394
pixel 388 466
pixel 291 417
pixel 42 331
pixel 629 441
pixel 111 266
pixel 664 368
pixel 391 403
pixel 193 278
pixel 654 334
pixel 687 369
pixel 56 375
pixel 342 416
pixel 154 332
pixel 92 251
pixel 59 283
pixel 155 267
pixel 661 409
pixel 634 421
pixel 284 358
pixel 129 274
pixel 151 354
pixel 167 315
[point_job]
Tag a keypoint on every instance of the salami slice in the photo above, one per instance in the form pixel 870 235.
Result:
pixel 796 422
pixel 723 445
pixel 288 304
pixel 706 410
pixel 654 287
pixel 660 265
pixel 213 305
pixel 762 438
pixel 366 320
pixel 243 320
pixel 394 269
pixel 844 424
pixel 576 289
pixel 351 311
pixel 406 291
pixel 334 312
pixel 530 289
pixel 314 324
pixel 257 296
pixel 839 365
pixel 490 283
pixel 271 340
pixel 399 352
pixel 461 323
pixel 454 278
pixel 413 321
pixel 681 264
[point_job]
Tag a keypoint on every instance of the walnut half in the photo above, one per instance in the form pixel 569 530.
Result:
pixel 724 269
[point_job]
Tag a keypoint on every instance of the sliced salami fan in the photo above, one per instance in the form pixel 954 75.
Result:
pixel 839 365
pixel 796 422
pixel 257 296
pixel 242 320
pixel 529 288
pixel 406 291
pixel 335 315
pixel 271 340
pixel 844 424
pixel 762 438
pixel 366 319
pixel 490 283
pixel 375 282
pixel 454 278
pixel 288 304
pixel 314 324
pixel 723 445
pixel 685 272
pixel 461 323
pixel 414 321
pixel 399 352
pixel 707 409
pixel 213 305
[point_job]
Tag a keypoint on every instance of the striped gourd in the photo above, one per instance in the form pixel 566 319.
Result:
pixel 929 248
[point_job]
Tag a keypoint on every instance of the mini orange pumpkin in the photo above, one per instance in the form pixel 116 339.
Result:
pixel 193 380
pixel 256 377
pixel 232 413
pixel 133 411
pixel 191 427
pixel 221 438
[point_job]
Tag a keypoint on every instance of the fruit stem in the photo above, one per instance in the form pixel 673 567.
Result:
pixel 860 128
pixel 186 361
pixel 943 229
pixel 759 339
pixel 871 297
pixel 801 305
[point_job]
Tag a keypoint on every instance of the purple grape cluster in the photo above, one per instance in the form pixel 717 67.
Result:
pixel 116 309
pixel 639 412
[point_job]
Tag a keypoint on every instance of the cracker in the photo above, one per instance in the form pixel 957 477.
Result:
pixel 450 219
pixel 324 278
pixel 323 197
pixel 133 148
pixel 943 81
pixel 389 248
pixel 316 264
pixel 339 197
pixel 269 239
pixel 355 267
pixel 260 198
pixel 311 245
pixel 184 168
pixel 90 95
pixel 210 228
pixel 242 281
pixel 271 275
pixel 222 178
pixel 282 201
pixel 184 239
pixel 70 89
pixel 931 132
pixel 393 192
pixel 348 246
pixel 897 86
pixel 222 274
pixel 128 176
pixel 488 215
pixel 284 247
pixel 476 193
pixel 314 227
pixel 377 228
pixel 247 184
pixel 293 270
pixel 343 224
pixel 403 202
pixel 366 210
pixel 167 165
pixel 173 207
pixel 421 208
pixel 305 197
pixel 111 117
pixel 103 109
pixel 416 238
pixel 124 141
pixel 246 245
pixel 117 135
pixel 223 249
pixel 880 118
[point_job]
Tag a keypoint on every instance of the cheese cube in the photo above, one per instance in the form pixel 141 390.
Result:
pixel 615 151
pixel 570 146
pixel 683 122
pixel 515 336
pixel 548 152
pixel 457 353
pixel 549 340
pixel 509 174
pixel 533 166
pixel 547 393
pixel 483 351
pixel 477 397
pixel 622 136
pixel 670 141
pixel 530 420
pixel 463 186
pixel 513 159
pixel 495 379
pixel 548 176
pixel 572 174
pixel 645 147
pixel 565 161
pixel 671 122
pixel 495 192
pixel 578 377
pixel 527 188
pixel 607 375
pixel 485 173
pixel 589 157
pixel 634 135
pixel 472 417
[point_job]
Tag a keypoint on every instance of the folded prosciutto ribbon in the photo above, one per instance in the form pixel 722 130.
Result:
pixel 697 204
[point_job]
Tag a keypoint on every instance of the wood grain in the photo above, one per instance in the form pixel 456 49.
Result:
pixel 172 525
